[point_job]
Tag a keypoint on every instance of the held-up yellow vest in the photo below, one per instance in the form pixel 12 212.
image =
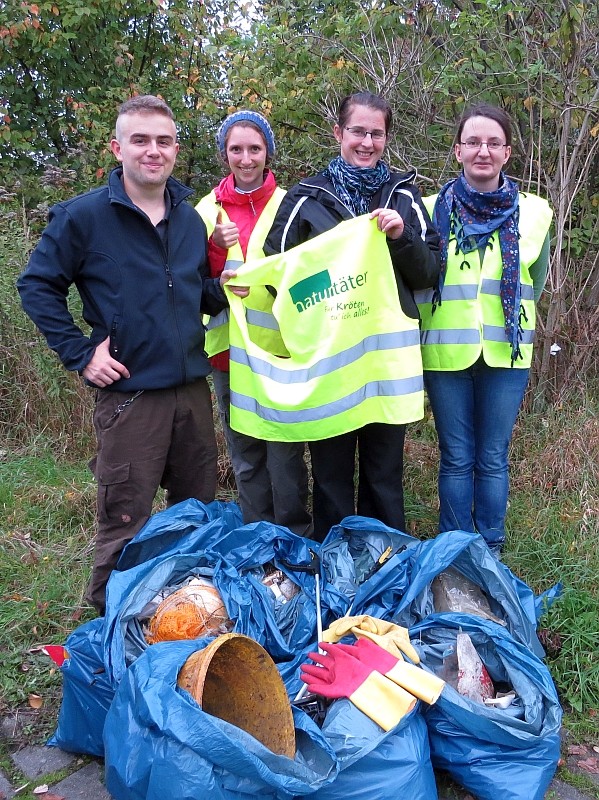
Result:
pixel 260 304
pixel 354 356
pixel 470 318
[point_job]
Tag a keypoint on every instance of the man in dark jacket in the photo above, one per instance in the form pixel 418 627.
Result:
pixel 136 251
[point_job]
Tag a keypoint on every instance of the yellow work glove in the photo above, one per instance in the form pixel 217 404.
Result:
pixel 415 680
pixel 391 637
pixel 339 674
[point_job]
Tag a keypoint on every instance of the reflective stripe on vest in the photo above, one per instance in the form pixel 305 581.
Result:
pixel 470 318
pixel 266 327
pixel 354 356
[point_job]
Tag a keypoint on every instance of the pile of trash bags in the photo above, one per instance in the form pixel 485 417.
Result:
pixel 470 621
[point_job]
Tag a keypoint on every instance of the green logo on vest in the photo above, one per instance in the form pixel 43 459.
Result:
pixel 319 287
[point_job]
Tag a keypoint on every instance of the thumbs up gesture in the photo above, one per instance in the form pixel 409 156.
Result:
pixel 225 234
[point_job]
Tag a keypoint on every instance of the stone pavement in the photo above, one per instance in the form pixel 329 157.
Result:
pixel 39 765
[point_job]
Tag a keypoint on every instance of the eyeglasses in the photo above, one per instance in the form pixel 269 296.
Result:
pixel 362 133
pixel 476 144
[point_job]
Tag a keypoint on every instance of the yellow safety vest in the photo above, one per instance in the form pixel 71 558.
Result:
pixel 260 305
pixel 470 318
pixel 354 356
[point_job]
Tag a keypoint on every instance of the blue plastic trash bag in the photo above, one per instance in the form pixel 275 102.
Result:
pixel 509 753
pixel 286 630
pixel 261 543
pixel 160 744
pixel 374 763
pixel 353 582
pixel 129 592
pixel 510 599
pixel 184 526
pixel 400 590
pixel 86 693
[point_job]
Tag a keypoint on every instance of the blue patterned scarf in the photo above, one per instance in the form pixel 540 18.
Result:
pixel 356 186
pixel 469 218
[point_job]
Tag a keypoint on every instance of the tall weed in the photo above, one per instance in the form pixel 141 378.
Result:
pixel 554 536
pixel 38 398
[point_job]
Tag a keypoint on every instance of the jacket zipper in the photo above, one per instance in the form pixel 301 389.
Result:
pixel 170 285
pixel 168 273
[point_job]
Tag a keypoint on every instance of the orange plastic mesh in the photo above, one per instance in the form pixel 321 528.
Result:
pixel 188 613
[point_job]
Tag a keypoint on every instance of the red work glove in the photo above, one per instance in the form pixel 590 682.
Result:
pixel 339 674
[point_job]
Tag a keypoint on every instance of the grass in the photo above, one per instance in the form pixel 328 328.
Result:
pixel 554 536
pixel 46 520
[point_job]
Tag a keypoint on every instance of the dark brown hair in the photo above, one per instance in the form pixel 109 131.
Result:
pixel 490 112
pixel 364 99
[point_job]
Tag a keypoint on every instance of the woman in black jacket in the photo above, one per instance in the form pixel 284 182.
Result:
pixel 356 182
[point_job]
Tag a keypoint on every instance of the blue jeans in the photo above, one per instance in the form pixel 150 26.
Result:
pixel 475 410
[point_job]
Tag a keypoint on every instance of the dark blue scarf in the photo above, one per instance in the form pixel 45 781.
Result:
pixel 468 218
pixel 356 186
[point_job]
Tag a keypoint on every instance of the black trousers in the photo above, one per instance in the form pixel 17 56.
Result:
pixel 380 477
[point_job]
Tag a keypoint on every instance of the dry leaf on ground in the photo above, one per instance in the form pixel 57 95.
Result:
pixel 590 765
pixel 577 750
pixel 36 700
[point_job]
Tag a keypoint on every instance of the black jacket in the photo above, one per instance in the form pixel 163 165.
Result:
pixel 311 207
pixel 148 299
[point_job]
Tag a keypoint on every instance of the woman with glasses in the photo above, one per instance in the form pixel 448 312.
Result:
pixel 356 182
pixel 478 323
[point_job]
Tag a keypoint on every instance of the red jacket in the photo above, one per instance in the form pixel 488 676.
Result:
pixel 243 209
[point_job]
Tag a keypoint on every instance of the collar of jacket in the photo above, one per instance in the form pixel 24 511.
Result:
pixel 319 185
pixel 117 194
pixel 225 191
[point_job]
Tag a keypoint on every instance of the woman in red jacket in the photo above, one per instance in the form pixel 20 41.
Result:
pixel 271 477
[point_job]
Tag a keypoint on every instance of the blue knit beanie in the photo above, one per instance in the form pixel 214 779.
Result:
pixel 246 116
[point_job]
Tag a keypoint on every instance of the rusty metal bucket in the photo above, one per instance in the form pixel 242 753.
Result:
pixel 235 679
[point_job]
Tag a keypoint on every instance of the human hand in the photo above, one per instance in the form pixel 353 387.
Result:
pixel 225 234
pixel 239 291
pixel 388 221
pixel 103 369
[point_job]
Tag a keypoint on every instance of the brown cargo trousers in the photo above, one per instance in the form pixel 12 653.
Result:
pixel 162 437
